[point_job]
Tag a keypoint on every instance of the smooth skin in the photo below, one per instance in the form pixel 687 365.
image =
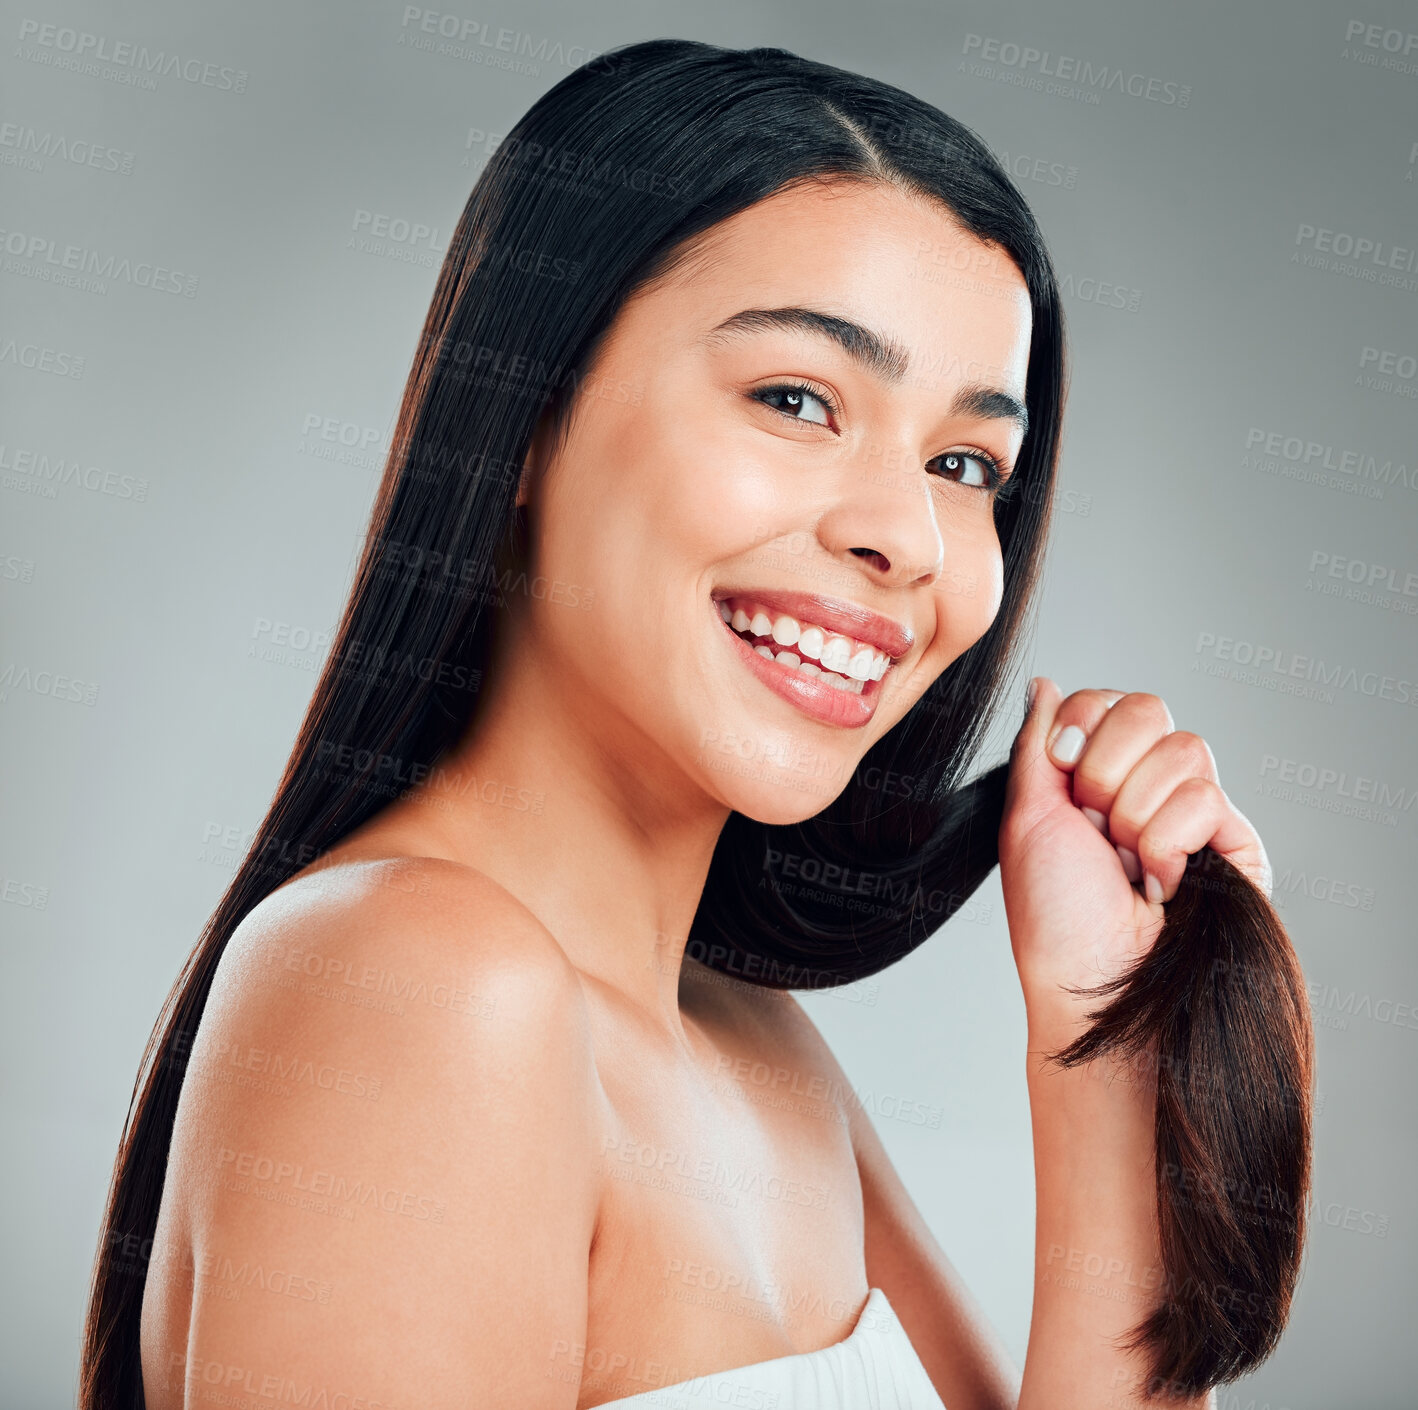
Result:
pixel 573 1180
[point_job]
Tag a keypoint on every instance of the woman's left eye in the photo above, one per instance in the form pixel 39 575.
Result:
pixel 974 470
pixel 793 400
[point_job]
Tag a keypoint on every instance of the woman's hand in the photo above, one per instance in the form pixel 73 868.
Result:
pixel 1104 803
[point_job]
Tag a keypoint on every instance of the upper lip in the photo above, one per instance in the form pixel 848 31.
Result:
pixel 849 618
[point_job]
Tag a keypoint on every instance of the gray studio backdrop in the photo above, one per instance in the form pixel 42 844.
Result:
pixel 221 228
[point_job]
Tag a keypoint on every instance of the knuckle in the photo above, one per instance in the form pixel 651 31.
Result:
pixel 1156 851
pixel 1200 793
pixel 1123 823
pixel 1193 750
pixel 1092 784
pixel 1087 706
pixel 1150 707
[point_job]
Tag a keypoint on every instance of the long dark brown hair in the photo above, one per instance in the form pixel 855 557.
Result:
pixel 604 185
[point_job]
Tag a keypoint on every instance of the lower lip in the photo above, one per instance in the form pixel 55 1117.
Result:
pixel 824 703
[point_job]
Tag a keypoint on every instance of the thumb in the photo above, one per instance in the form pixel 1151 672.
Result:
pixel 1036 785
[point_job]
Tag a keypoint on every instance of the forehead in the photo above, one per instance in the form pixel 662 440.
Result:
pixel 896 262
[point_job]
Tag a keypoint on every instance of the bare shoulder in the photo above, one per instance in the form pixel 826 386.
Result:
pixel 425 978
pixel 392 1098
pixel 407 960
pixel 361 926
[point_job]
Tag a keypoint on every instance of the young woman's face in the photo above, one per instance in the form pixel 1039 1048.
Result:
pixel 798 431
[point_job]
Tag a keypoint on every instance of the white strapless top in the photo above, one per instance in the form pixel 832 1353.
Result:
pixel 875 1368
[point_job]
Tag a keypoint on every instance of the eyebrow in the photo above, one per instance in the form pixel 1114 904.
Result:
pixel 883 357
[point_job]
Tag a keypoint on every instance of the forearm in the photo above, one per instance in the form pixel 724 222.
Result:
pixel 1097 1265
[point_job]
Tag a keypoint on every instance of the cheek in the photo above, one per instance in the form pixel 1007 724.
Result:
pixel 971 589
pixel 623 494
pixel 723 495
pixel 641 512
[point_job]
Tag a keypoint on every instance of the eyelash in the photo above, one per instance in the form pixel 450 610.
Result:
pixel 998 480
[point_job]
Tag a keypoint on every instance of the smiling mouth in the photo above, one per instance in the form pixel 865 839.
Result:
pixel 831 677
pixel 812 651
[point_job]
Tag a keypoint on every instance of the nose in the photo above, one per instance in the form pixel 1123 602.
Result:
pixel 885 520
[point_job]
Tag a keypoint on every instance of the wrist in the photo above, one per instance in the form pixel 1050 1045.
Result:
pixel 1053 1025
pixel 1055 1017
pixel 1113 1092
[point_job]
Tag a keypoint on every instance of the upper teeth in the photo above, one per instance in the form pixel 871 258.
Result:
pixel 842 655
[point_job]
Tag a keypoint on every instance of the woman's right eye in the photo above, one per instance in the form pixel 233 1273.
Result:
pixel 795 399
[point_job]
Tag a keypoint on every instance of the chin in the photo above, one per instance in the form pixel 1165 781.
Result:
pixel 771 792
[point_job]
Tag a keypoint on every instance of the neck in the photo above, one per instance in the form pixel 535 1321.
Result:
pixel 583 819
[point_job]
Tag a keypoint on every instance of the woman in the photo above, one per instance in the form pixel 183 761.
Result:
pixel 719 493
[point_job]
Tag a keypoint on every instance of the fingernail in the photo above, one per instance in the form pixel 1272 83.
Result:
pixel 1069 744
pixel 1097 819
pixel 1152 888
pixel 1131 868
